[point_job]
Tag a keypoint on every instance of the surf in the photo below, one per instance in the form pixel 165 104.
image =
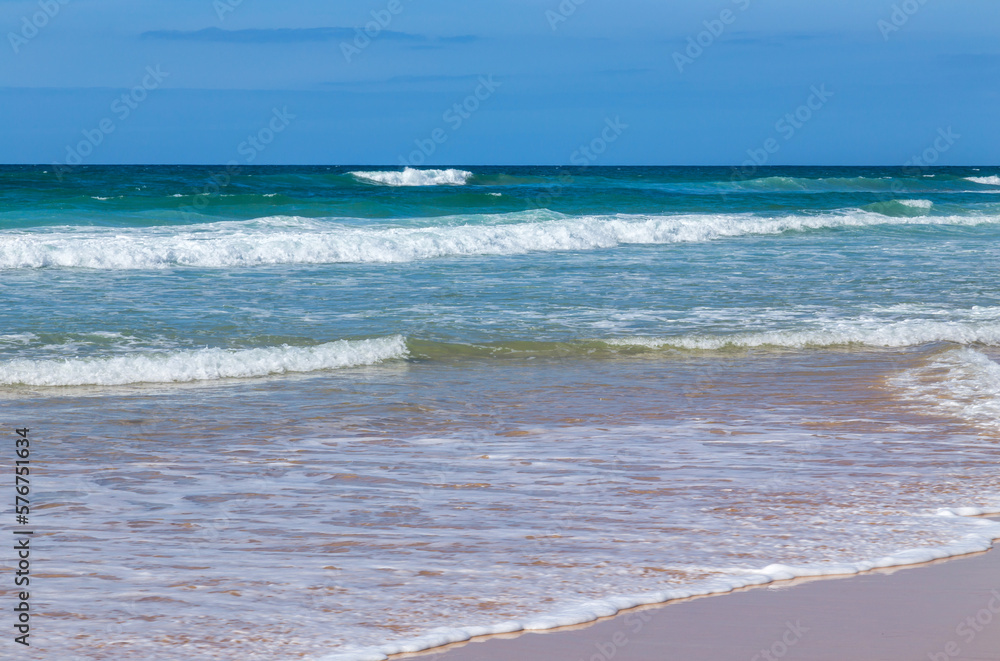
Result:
pixel 414 177
pixel 291 240
pixel 209 364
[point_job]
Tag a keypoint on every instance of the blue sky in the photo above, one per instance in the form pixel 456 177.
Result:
pixel 893 74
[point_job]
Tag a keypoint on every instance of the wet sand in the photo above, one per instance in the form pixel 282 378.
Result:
pixel 943 611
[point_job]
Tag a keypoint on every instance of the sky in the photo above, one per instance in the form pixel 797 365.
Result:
pixel 508 82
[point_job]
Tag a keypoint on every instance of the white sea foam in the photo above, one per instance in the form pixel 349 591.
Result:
pixel 962 382
pixel 967 511
pixel 17 338
pixel 991 181
pixel 917 204
pixel 414 177
pixel 199 364
pixel 981 540
pixel 292 240
pixel 837 332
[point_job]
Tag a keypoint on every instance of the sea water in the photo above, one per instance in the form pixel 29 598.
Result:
pixel 318 412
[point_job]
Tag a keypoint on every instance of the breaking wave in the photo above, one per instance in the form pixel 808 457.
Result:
pixel 962 382
pixel 990 181
pixel 863 332
pixel 200 364
pixel 292 240
pixel 414 177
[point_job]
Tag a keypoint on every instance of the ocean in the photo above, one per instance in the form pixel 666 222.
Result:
pixel 345 412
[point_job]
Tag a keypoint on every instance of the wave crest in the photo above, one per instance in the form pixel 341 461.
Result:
pixel 816 185
pixel 962 382
pixel 272 241
pixel 990 181
pixel 901 208
pixel 200 364
pixel 414 177
pixel 869 333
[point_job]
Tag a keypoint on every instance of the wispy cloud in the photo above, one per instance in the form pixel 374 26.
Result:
pixel 972 61
pixel 460 39
pixel 784 38
pixel 432 78
pixel 293 35
pixel 438 81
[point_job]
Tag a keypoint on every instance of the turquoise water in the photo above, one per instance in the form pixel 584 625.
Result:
pixel 417 406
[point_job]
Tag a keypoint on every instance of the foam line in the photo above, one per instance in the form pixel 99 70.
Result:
pixel 980 540
pixel 200 364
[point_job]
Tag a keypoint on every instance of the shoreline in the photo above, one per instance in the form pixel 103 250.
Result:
pixel 684 626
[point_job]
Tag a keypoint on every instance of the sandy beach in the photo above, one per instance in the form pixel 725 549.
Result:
pixel 946 610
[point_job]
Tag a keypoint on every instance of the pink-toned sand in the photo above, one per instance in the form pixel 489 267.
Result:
pixel 945 611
